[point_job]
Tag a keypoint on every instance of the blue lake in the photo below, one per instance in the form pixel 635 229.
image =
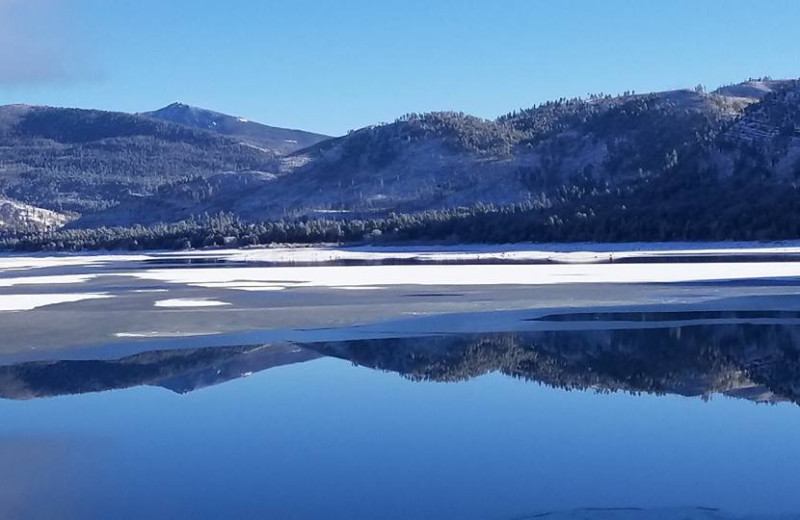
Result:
pixel 484 426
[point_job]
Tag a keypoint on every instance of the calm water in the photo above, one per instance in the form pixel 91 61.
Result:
pixel 480 426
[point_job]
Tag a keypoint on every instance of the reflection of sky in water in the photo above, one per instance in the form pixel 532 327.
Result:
pixel 47 477
pixel 324 439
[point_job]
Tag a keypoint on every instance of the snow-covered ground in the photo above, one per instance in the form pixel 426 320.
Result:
pixel 567 253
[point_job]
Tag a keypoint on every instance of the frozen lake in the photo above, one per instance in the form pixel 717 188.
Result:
pixel 470 383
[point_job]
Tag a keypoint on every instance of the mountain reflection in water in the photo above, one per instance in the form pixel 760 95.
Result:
pixel 758 362
pixel 181 371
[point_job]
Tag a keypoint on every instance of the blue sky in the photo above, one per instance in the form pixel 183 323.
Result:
pixel 330 66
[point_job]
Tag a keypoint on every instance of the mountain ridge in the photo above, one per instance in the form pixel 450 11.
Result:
pixel 570 164
pixel 282 140
pixel 81 160
pixel 442 160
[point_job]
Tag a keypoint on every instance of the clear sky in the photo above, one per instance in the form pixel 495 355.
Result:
pixel 330 66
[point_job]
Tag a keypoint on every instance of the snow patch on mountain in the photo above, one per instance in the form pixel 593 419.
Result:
pixel 15 215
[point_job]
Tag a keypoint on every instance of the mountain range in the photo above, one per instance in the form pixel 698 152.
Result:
pixel 696 361
pixel 578 163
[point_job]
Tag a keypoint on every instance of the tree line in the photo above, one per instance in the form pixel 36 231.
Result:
pixel 695 207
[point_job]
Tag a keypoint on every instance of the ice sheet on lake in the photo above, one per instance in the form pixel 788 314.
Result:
pixel 567 264
pixel 190 302
pixel 46 280
pixel 26 302
pixel 16 263
pixel 456 275
pixel 568 253
pixel 157 334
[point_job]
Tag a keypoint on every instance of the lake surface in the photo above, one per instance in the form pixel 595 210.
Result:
pixel 473 426
pixel 401 385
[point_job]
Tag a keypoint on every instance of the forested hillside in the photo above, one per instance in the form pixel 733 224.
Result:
pixel 444 160
pixel 89 160
pixel 677 165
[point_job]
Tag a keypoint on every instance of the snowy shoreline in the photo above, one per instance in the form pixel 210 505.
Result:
pixel 585 252
pixel 368 268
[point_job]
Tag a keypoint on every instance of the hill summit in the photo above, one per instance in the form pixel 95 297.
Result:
pixel 282 140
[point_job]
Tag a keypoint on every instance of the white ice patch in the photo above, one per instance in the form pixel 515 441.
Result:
pixel 252 287
pixel 491 274
pixel 557 263
pixel 14 263
pixel 557 253
pixel 189 302
pixel 46 280
pixel 156 334
pixel 26 302
pixel 242 285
